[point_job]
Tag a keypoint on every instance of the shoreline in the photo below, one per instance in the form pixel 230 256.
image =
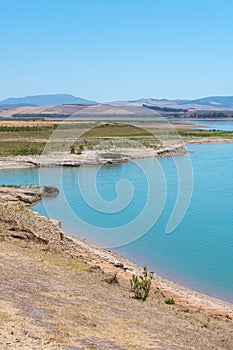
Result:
pixel 112 263
pixel 181 293
pixel 96 158
pixel 89 158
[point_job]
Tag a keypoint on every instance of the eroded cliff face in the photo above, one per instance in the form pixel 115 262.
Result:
pixel 16 221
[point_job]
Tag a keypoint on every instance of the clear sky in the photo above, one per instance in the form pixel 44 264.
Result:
pixel 116 49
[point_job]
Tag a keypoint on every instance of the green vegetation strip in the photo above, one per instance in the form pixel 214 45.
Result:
pixel 21 148
pixel 204 133
pixel 5 128
pixel 116 130
pixel 31 140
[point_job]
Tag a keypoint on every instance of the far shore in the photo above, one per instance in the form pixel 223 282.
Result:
pixel 96 158
pixel 89 157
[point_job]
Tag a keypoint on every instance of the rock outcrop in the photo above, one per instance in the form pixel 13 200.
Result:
pixel 27 194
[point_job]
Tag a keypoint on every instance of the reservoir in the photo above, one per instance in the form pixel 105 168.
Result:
pixel 106 204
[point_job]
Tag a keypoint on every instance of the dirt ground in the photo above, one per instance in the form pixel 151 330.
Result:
pixel 55 294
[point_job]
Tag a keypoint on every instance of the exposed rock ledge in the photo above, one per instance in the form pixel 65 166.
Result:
pixel 90 157
pixel 27 194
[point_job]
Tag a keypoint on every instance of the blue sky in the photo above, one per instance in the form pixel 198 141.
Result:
pixel 116 49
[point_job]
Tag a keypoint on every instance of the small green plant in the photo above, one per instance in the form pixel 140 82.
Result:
pixel 140 285
pixel 72 149
pixel 80 149
pixel 170 301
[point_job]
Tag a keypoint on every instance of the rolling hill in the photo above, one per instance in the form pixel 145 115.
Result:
pixel 44 100
pixel 62 106
pixel 206 103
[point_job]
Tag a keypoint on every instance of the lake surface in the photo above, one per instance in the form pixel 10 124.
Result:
pixel 197 253
pixel 224 125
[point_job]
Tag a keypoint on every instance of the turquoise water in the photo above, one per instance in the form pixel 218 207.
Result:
pixel 198 253
pixel 225 125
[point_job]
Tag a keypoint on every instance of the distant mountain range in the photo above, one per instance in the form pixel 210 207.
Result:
pixel 64 106
pixel 206 103
pixel 44 100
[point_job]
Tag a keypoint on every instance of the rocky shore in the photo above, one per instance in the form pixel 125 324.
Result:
pixel 98 157
pixel 89 157
pixel 36 254
pixel 29 194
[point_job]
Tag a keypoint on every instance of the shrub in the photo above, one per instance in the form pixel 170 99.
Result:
pixel 170 301
pixel 80 149
pixel 140 285
pixel 72 149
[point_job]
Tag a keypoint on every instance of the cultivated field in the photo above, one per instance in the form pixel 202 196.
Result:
pixel 30 137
